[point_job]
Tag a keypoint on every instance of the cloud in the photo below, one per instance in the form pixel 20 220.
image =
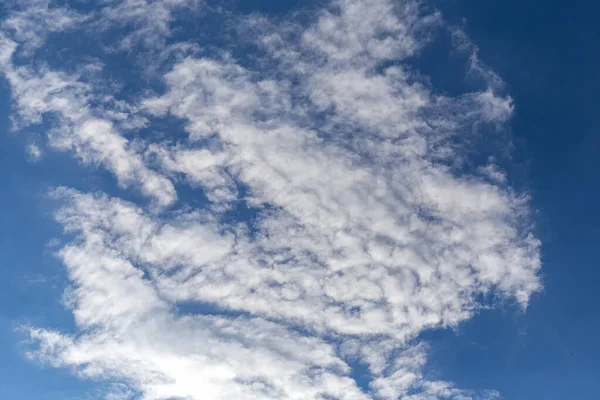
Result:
pixel 89 132
pixel 32 20
pixel 336 223
pixel 34 152
pixel 147 21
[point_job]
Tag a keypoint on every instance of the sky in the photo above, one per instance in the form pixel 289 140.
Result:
pixel 261 200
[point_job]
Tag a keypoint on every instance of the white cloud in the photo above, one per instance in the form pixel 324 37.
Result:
pixel 34 153
pixel 86 131
pixel 493 172
pixel 149 20
pixel 32 20
pixel 362 235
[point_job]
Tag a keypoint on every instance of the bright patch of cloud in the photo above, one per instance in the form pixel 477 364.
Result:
pixel 334 228
pixel 34 152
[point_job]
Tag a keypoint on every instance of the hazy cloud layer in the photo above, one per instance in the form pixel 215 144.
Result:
pixel 331 219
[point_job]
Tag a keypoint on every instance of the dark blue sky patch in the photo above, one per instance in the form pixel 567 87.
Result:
pixel 192 308
pixel 361 374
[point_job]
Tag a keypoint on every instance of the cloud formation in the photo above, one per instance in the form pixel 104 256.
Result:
pixel 335 222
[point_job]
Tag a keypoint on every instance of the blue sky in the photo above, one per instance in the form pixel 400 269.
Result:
pixel 547 56
pixel 276 199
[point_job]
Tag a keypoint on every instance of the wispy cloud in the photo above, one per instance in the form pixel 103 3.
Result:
pixel 34 152
pixel 335 227
pixel 30 21
pixel 90 132
pixel 148 22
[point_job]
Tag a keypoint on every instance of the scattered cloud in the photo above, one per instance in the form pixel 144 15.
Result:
pixel 333 228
